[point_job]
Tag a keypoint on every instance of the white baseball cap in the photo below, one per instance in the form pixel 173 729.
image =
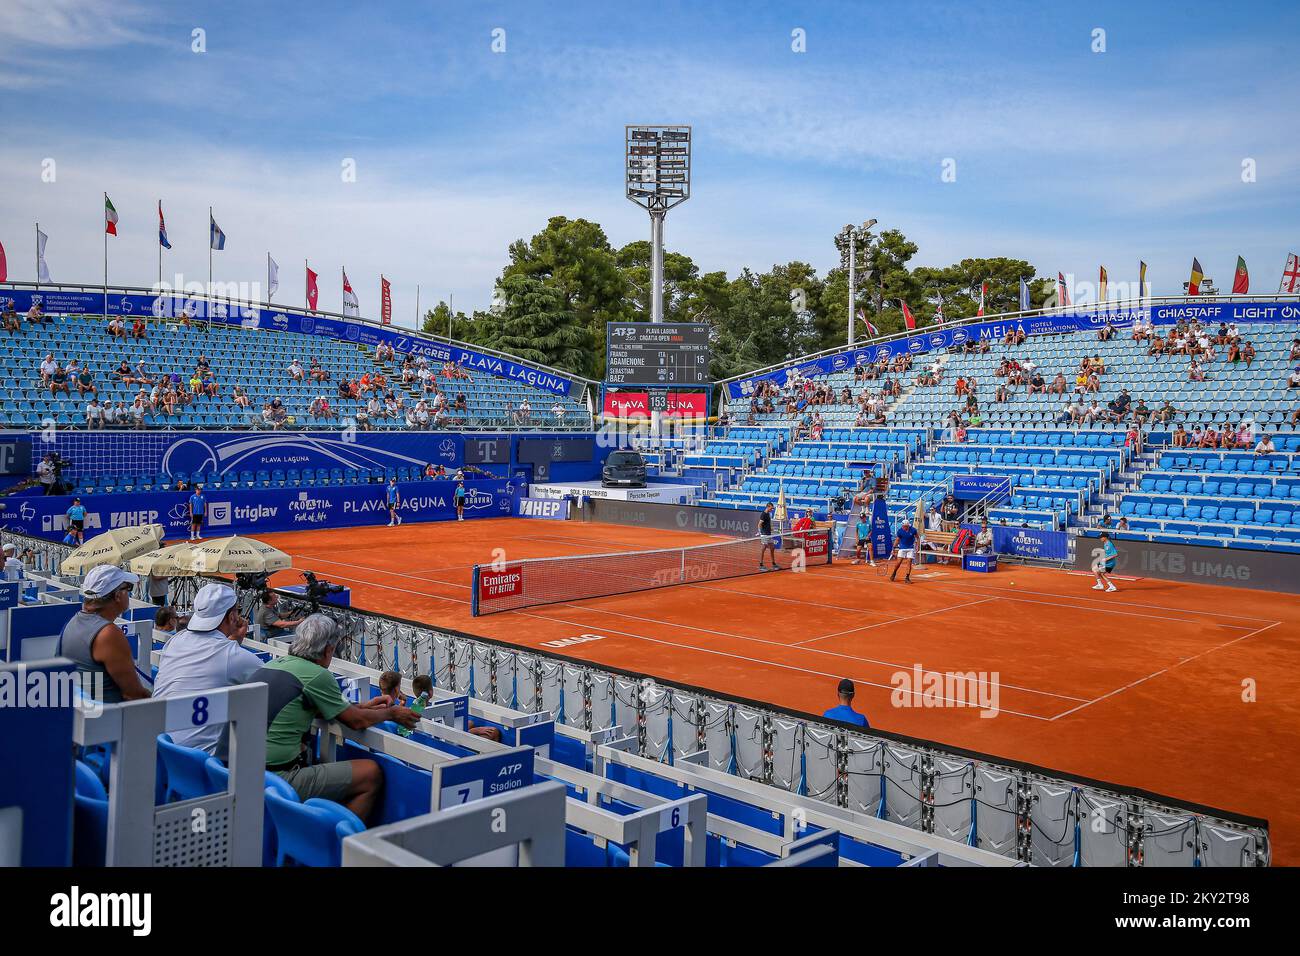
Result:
pixel 210 606
pixel 103 580
pixel 9 546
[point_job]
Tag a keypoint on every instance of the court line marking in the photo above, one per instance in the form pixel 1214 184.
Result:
pixel 1165 670
pixel 1107 610
pixel 753 660
pixel 760 640
pixel 867 627
pixel 400 574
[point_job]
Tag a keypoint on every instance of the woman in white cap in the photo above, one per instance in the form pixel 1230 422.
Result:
pixel 96 644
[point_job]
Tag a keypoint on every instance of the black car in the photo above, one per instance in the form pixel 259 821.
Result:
pixel 623 469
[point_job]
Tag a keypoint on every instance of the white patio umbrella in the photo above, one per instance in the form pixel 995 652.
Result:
pixel 238 555
pixel 173 561
pixel 112 547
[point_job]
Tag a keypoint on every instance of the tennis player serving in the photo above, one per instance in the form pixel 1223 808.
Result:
pixel 904 550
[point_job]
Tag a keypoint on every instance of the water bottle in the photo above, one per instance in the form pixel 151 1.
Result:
pixel 418 706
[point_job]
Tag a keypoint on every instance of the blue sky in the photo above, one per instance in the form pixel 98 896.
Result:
pixel 1064 156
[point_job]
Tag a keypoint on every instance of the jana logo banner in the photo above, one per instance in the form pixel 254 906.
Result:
pixel 939 338
pixel 132 304
pixel 261 510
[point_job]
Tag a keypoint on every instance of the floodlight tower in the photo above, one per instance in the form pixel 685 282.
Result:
pixel 658 176
pixel 847 239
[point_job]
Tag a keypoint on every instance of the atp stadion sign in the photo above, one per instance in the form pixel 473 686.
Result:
pixel 130 304
pixel 939 338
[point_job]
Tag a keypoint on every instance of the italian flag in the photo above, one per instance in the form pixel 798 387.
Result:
pixel 110 216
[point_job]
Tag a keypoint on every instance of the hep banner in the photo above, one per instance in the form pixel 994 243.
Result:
pixel 259 510
pixel 555 509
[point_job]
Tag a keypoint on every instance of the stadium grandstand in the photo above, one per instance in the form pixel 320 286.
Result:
pixel 600 760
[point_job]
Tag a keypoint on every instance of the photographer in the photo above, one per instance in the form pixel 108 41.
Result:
pixel 269 620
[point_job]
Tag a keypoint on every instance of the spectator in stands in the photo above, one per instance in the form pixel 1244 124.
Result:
pixel 13 566
pixel 1195 372
pixel 36 314
pixel 1244 437
pixel 301 688
pixel 1037 385
pixel 1106 333
pixel 1265 446
pixel 47 369
pixel 844 711
pixel 1293 380
pixel 320 408
pixel 116 328
pixel 1209 438
pixel 950 511
pixel 1248 354
pixel 93 642
pixel 295 371
pixel 85 382
pixel 268 618
pixel 525 412
pixel 94 414
pixel 1295 349
pixel 59 382
pixel 138 409
pixel 10 318
pixel 984 539
pixel 1133 439
pixel 138 329
pixel 1059 385
pixel 1140 412
pixel 111 414
pixel 167 622
pixel 206 655
pixel 1165 413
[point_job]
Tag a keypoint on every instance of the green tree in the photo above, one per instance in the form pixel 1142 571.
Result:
pixel 536 324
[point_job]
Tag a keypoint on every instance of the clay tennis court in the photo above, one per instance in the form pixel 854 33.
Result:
pixel 1143 688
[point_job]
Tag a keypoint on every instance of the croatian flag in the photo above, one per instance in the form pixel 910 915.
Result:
pixel 908 317
pixel 216 236
pixel 162 229
pixel 350 305
pixel 871 329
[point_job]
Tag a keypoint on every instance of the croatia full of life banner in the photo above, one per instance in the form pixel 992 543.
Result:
pixel 937 338
pixel 128 305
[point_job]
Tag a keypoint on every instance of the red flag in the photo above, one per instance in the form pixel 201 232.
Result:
pixel 4 267
pixel 908 317
pixel 385 301
pixel 984 289
pixel 1061 288
pixel 1240 279
pixel 313 293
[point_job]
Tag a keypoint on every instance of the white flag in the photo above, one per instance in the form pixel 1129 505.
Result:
pixel 350 304
pixel 272 277
pixel 1291 275
pixel 42 270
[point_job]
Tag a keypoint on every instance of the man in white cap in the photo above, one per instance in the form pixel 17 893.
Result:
pixel 96 644
pixel 205 656
pixel 13 565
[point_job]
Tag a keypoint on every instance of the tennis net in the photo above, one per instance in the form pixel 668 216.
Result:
pixel 518 584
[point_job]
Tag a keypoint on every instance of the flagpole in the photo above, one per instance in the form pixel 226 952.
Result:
pixel 38 254
pixel 159 245
pixel 210 260
pixel 451 310
pixel 417 301
pixel 106 256
pixel 306 298
pixel 268 278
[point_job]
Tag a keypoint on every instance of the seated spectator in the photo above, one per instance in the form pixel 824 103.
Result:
pixel 1265 446
pixel 116 328
pixel 112 414
pixel 1037 385
pixel 59 382
pixel 1248 354
pixel 1123 524
pixel 138 329
pixel 295 371
pixel 268 618
pixel 94 414
pixel 85 382
pixel 984 540
pixel 10 318
pixel 1059 384
pixel 92 640
pixel 47 369
pixel 844 712
pixel 301 688
pixel 36 314
pixel 1165 413
pixel 1140 412
pixel 206 655
pixel 167 622
pixel 320 408
pixel 1293 380
pixel 1295 349
pixel 1209 438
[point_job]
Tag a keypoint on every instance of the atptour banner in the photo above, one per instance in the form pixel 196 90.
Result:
pixel 939 338
pixel 260 509
pixel 1233 567
pixel 620 404
pixel 170 305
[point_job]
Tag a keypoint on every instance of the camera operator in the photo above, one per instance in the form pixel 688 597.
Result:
pixel 47 474
pixel 269 619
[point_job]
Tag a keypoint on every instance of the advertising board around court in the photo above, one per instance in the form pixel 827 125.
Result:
pixel 260 510
pixel 1028 542
pixel 1194 564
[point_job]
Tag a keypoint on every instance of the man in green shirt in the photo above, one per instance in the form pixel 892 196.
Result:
pixel 300 688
